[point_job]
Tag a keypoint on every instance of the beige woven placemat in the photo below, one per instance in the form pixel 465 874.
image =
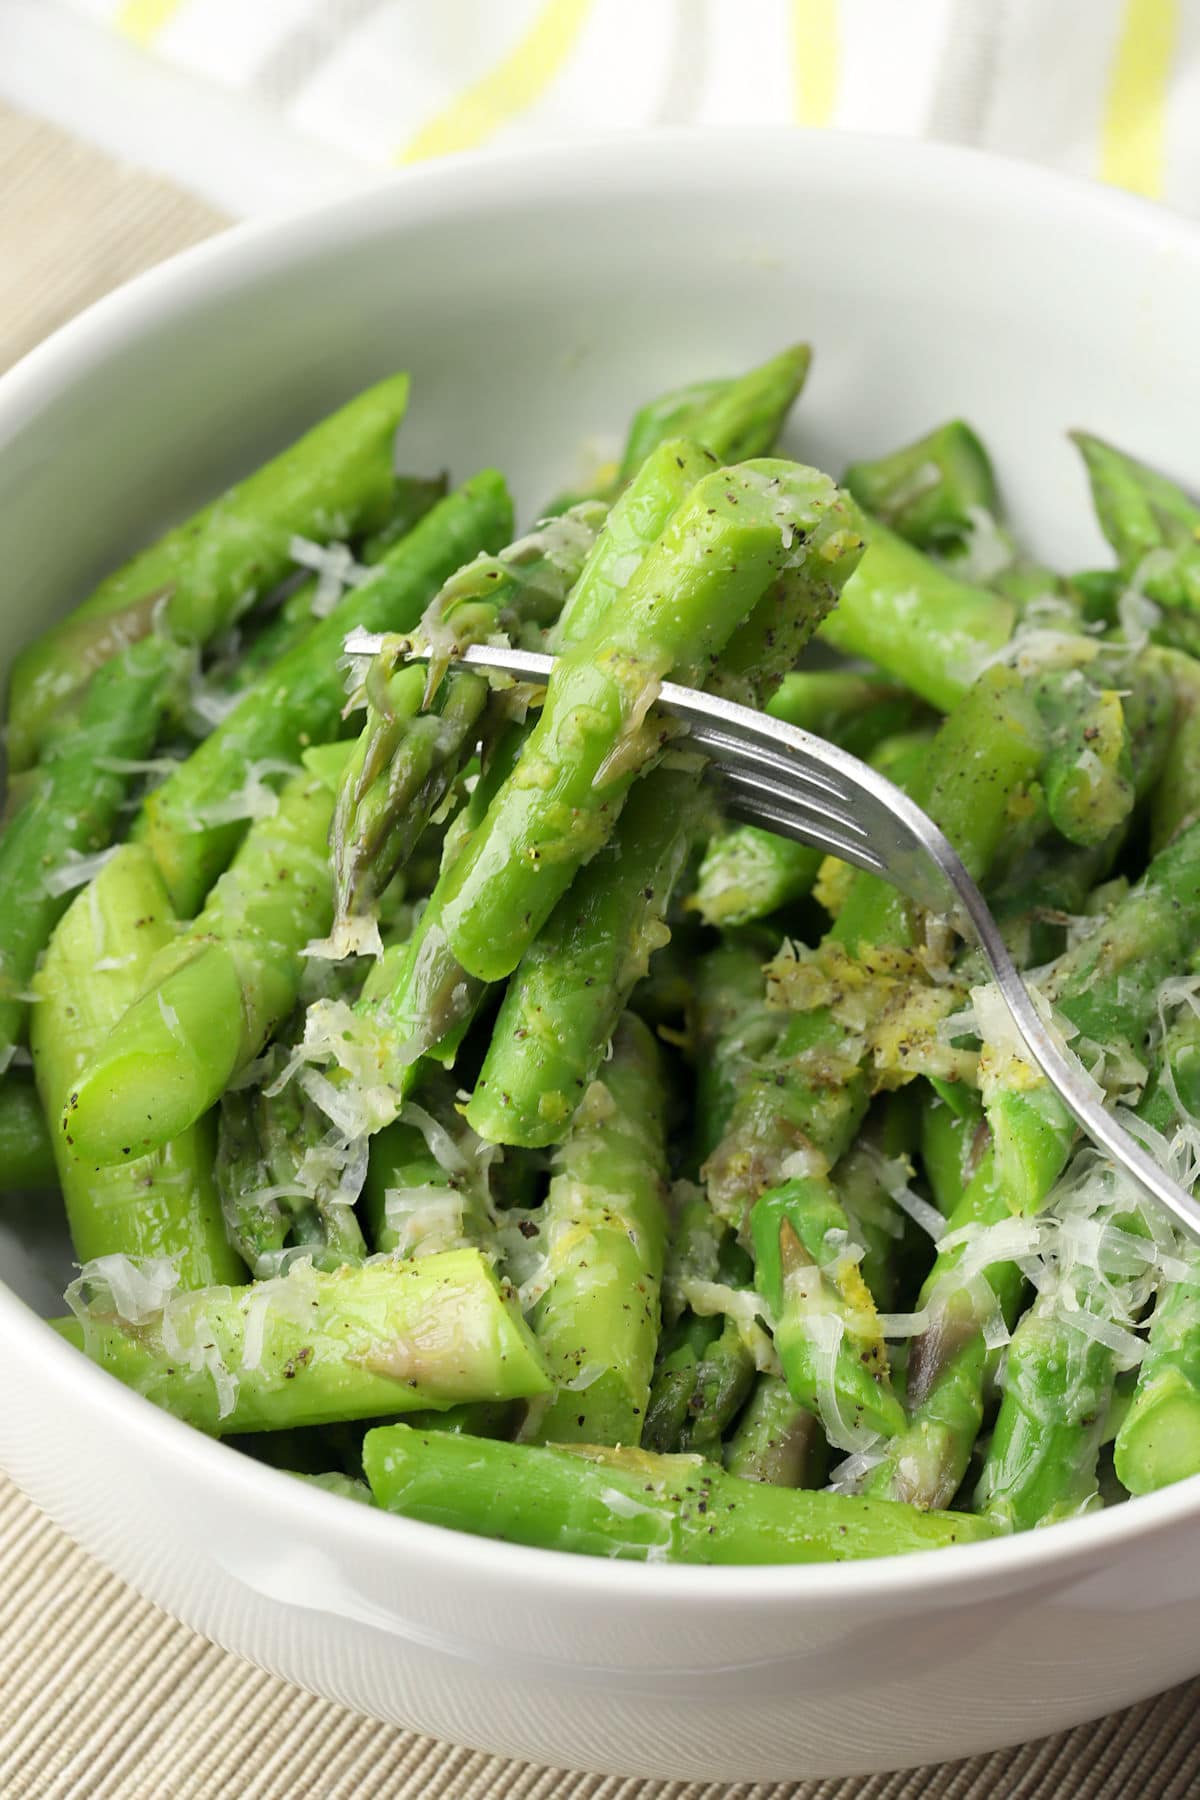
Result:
pixel 101 1695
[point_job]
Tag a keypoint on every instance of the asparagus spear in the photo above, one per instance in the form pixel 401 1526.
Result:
pixel 630 1503
pixel 291 621
pixel 1087 775
pixel 279 1178
pixel 736 533
pixel 211 1000
pixel 1106 1254
pixel 418 1001
pixel 634 525
pixel 26 1152
pixel 932 492
pixel 952 1138
pixel 310 1348
pixel 71 808
pixel 1176 802
pixel 164 1204
pixel 807 1100
pixel 704 1376
pixel 811 1092
pixel 747 872
pixel 666 416
pixel 1106 989
pixel 202 574
pixel 1048 882
pixel 865 1190
pixel 194 821
pixel 563 1002
pixel 750 1164
pixel 777 1441
pixel 734 417
pixel 1065 1356
pixel 476 1418
pixel 421 1001
pixel 1150 522
pixel 827 1333
pixel 565 996
pixel 731 1029
pixel 604 1229
pixel 1046 876
pixel 1159 1442
pixel 406 758
pixel 713 1338
pixel 434 997
pixel 971 1296
pixel 1159 1439
pixel 917 621
pixel 419 1199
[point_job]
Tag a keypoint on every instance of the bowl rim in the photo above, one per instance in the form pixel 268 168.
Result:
pixel 942 175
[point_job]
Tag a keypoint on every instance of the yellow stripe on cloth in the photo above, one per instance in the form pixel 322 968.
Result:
pixel 816 58
pixel 1133 136
pixel 142 20
pixel 507 90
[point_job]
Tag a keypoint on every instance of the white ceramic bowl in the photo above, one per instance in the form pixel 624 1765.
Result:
pixel 536 298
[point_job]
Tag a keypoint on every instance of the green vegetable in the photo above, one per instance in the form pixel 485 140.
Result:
pixel 1041 1463
pixel 194 821
pixel 1106 989
pixel 629 1503
pixel 918 621
pixel 212 998
pixel 604 1229
pixel 735 419
pixel 1150 522
pixel 932 492
pixel 563 1002
pixel 433 998
pixel 1176 802
pixel 972 1292
pixel 702 1380
pixel 470 976
pixel 566 995
pixel 71 807
pixel 26 1150
pixel 421 724
pixel 164 1204
pixel 200 576
pixel 951 1141
pixel 295 616
pixel 1159 1439
pixel 312 1348
pixel 826 1329
pixel 738 532
pixel 278 1179
pixel 777 1440
pixel 418 1202
pixel 865 1189
pixel 732 1029
pixel 747 872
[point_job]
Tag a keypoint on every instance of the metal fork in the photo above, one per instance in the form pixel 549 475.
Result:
pixel 801 787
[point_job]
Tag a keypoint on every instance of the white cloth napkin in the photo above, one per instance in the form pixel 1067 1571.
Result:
pixel 1109 88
